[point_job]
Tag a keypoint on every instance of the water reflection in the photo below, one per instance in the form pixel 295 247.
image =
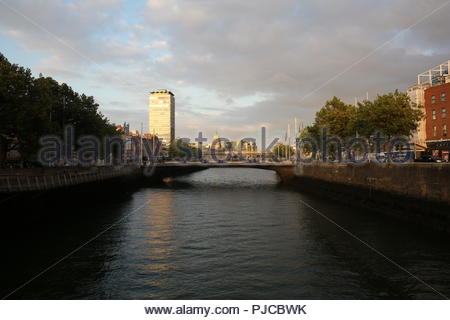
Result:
pixel 159 227
pixel 225 234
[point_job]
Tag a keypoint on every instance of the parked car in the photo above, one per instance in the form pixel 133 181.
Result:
pixel 428 158
pixel 401 156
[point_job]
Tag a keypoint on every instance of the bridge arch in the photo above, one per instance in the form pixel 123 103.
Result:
pixel 286 172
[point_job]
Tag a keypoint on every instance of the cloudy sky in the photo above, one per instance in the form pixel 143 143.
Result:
pixel 233 65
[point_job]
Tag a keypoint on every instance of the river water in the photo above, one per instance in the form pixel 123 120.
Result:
pixel 221 234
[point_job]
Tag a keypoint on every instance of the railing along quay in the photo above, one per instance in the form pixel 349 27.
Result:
pixel 21 180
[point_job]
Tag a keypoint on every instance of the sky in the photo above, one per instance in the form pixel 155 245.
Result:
pixel 233 66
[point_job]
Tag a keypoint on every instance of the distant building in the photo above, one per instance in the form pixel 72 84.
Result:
pixel 243 146
pixel 136 146
pixel 216 141
pixel 437 104
pixel 162 115
pixel 123 129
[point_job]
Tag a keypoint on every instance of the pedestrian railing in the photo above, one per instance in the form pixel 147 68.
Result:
pixel 20 181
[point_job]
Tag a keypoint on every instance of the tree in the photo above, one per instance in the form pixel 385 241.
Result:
pixel 390 113
pixel 312 132
pixel 181 149
pixel 15 102
pixel 33 107
pixel 338 117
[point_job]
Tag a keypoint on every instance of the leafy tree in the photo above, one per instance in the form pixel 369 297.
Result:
pixel 181 149
pixel 32 107
pixel 16 109
pixel 337 116
pixel 312 132
pixel 390 113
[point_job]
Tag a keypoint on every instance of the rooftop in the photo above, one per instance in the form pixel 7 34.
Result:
pixel 161 91
pixel 434 76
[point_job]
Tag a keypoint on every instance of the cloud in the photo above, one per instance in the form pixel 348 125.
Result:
pixel 270 54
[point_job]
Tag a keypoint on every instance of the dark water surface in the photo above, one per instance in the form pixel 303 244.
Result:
pixel 220 234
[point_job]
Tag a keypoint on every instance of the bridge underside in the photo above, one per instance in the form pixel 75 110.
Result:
pixel 286 172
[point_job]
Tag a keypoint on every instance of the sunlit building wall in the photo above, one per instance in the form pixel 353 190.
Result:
pixel 162 115
pixel 417 95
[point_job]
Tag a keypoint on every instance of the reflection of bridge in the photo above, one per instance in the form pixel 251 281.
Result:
pixel 285 170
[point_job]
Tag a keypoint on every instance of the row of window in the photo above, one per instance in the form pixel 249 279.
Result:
pixel 444 131
pixel 443 97
pixel 160 101
pixel 443 113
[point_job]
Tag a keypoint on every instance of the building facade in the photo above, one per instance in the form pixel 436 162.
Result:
pixel 437 105
pixel 162 115
pixel 420 97
pixel 417 96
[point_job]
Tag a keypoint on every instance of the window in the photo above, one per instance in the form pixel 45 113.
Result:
pixel 433 99
pixel 443 96
pixel 444 113
pixel 433 114
pixel 444 130
pixel 434 131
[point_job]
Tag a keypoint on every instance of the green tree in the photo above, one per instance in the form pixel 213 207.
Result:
pixel 338 117
pixel 181 149
pixel 16 107
pixel 33 107
pixel 312 132
pixel 390 113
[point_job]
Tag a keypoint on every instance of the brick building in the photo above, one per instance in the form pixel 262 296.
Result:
pixel 434 77
pixel 437 107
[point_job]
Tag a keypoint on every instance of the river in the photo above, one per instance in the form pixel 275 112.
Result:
pixel 221 234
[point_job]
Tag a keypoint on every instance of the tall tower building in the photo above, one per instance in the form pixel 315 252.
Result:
pixel 162 115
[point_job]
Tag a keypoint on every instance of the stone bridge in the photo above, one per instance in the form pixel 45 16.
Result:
pixel 285 170
pixel 39 179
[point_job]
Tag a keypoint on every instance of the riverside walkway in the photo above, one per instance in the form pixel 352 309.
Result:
pixel 38 179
